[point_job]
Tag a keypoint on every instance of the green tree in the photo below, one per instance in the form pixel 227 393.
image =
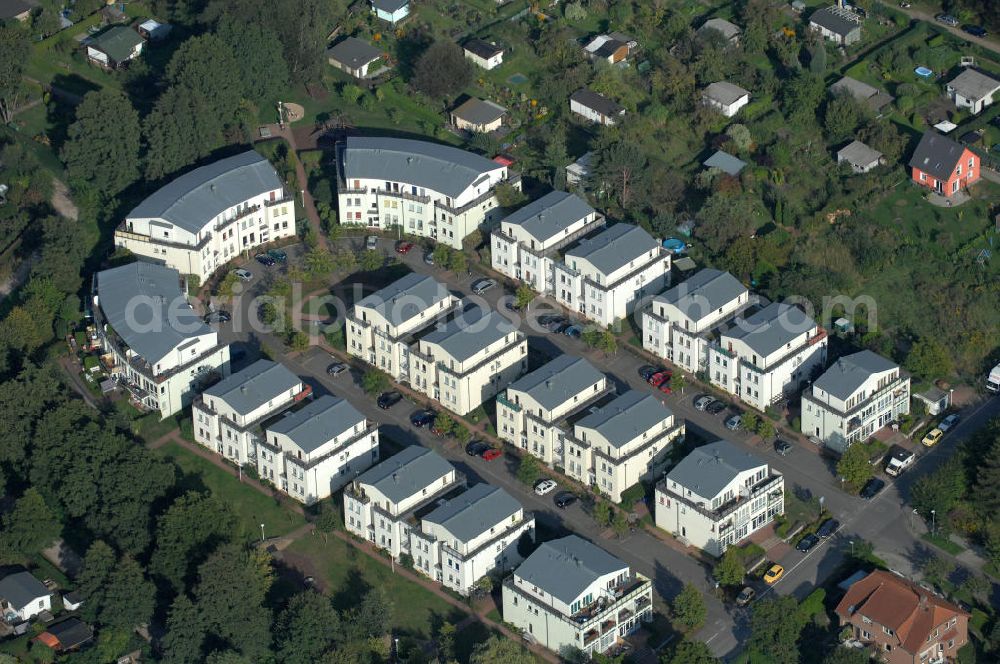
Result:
pixel 678 382
pixel 263 69
pixel 602 513
pixel 307 629
pixel 801 96
pixel 528 469
pixel 372 617
pixel 854 466
pixel 841 117
pixel 774 630
pixel 499 650
pixel 457 262
pixel 128 599
pixel 941 490
pixel 750 421
pixel 185 635
pixel 509 197
pixel 690 652
pixel 98 565
pixel 318 262
pixel 730 570
pixel 30 526
pixel 937 569
pixel 929 359
pixel 186 534
pixel 847 656
pixel 374 381
pixel 444 423
pixel 524 296
pixel 616 168
pixel 14 51
pixel 441 255
pixel 370 261
pixel 986 488
pixel 446 641
pixel 687 609
pixel 442 71
pixel 619 523
pixel 725 218
pixel 765 428
pixel 102 154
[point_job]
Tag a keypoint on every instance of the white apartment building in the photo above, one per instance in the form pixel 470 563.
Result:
pixel 427 189
pixel 620 443
pixel 468 537
pixel 154 343
pixel 858 395
pixel 678 325
pixel 313 452
pixel 228 415
pixel 526 245
pixel 717 496
pixel 767 355
pixel 570 594
pixel 604 277
pixel 468 360
pixel 532 412
pixel 379 504
pixel 382 326
pixel 209 216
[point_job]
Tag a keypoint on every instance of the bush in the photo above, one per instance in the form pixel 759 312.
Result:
pixel 632 495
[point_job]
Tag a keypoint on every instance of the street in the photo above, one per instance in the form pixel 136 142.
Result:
pixel 883 521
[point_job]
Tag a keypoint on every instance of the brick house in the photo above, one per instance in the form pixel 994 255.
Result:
pixel 903 622
pixel 943 165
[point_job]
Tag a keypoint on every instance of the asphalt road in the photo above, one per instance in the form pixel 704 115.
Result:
pixel 884 521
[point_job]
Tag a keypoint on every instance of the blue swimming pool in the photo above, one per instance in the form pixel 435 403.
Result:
pixel 923 72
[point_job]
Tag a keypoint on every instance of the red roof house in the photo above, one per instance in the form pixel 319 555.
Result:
pixel 943 165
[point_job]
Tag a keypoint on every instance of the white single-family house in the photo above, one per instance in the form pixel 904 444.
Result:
pixel 726 98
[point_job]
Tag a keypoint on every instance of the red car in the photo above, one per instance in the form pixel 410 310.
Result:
pixel 404 247
pixel 660 377
pixel 665 387
pixel 492 453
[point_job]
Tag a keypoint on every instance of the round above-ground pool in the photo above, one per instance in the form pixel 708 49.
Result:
pixel 674 246
pixel 923 72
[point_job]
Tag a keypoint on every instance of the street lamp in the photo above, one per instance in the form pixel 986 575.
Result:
pixel 262 532
pixel 933 523
pixel 852 548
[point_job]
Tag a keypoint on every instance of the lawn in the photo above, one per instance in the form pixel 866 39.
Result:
pixel 349 573
pixel 943 543
pixel 251 507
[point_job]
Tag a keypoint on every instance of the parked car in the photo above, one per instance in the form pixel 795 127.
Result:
pixel 746 596
pixel 806 543
pixel 336 369
pixel 948 423
pixel 871 489
pixel 480 286
pixel 243 275
pixel 278 255
pixel 657 379
pixel 265 260
pixel 371 242
pixel 647 370
pixel 734 422
pixel 932 437
pixel 665 387
pixel 423 418
pixel 565 499
pixel 429 258
pixel 387 400
pixel 827 528
pixel 975 30
pixel 573 331
pixel 562 327
pixel 772 575
pixel 555 323
pixel 947 19
pixel 218 316
pixel 715 407
pixel 900 459
pixel 545 486
pixel 782 447
pixel 703 401
pixel 476 448
pixel 491 453
pixel 547 319
pixel 404 248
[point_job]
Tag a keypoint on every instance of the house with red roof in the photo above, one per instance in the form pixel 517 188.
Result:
pixel 943 165
pixel 902 622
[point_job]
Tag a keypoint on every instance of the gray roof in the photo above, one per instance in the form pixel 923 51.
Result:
pixel 558 381
pixel 409 472
pixel 838 21
pixel 474 512
pixel 479 111
pixel 390 6
pixel 973 84
pixel 705 292
pixel 852 86
pixel 771 328
pixel 470 333
pixel 721 25
pixel 251 388
pixel 858 154
pixel 118 42
pixel 847 374
pixel 626 417
pixel 192 200
pixel 353 52
pixel 318 423
pixel 613 248
pixel 481 48
pixel 144 304
pixel 21 588
pixel 565 567
pixel 725 162
pixel 12 8
pixel 709 468
pixel 406 298
pixel 550 215
pixel 597 102
pixel 440 168
pixel 936 155
pixel 724 92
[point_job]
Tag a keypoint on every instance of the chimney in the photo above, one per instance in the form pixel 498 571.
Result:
pixel 395 478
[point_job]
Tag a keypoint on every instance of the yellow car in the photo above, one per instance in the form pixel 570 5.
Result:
pixel 932 437
pixel 772 575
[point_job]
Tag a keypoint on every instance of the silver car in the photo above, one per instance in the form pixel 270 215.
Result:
pixel 371 242
pixel 244 275
pixel 734 422
pixel 702 402
pixel 480 286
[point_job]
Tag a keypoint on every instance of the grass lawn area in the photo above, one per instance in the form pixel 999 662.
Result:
pixel 349 573
pixel 252 507
pixel 943 543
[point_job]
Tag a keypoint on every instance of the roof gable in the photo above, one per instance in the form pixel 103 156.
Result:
pixel 558 381
pixel 850 372
pixel 318 423
pixel 703 294
pixel 406 298
pixel 474 512
pixel 546 217
pixel 407 473
pixel 626 418
pixel 470 333
pixel 252 387
pixel 708 469
pixel 613 248
pixel 937 155
pixel 566 567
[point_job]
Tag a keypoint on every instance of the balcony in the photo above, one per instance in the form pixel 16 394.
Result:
pixel 503 400
pixel 242 214
pixel 769 486
pixel 280 201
